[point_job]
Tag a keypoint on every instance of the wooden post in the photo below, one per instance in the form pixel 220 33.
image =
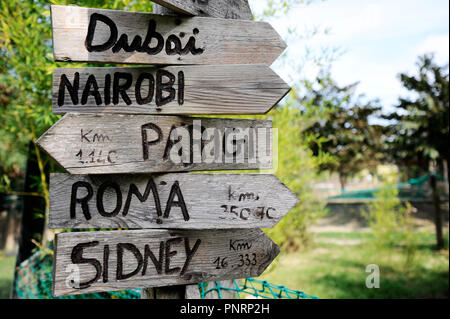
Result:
pixel 158 9
pixel 190 291
pixel 214 234
pixel 174 292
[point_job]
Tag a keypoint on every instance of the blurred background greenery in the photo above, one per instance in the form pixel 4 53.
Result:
pixel 327 136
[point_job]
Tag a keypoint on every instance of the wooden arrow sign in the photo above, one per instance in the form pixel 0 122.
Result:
pixel 237 89
pixel 87 262
pixel 96 35
pixel 175 201
pixel 235 9
pixel 110 144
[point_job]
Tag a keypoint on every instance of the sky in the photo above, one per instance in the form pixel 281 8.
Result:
pixel 377 40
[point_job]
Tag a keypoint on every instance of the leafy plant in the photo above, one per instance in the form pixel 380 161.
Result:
pixel 390 221
pixel 298 168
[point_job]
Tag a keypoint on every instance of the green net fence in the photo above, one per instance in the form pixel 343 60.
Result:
pixel 34 281
pixel 416 188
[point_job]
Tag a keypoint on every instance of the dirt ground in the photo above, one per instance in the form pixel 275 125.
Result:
pixel 347 217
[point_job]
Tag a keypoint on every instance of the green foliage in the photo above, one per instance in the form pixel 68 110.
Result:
pixel 334 269
pixel 420 131
pixel 390 221
pixel 344 131
pixel 26 65
pixel 6 274
pixel 298 169
pixel 282 7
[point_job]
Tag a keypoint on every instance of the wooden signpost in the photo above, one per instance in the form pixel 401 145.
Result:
pixel 116 260
pixel 183 228
pixel 181 90
pixel 115 144
pixel 174 201
pixel 227 9
pixel 96 35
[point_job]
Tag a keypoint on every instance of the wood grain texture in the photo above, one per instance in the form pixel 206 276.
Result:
pixel 158 9
pixel 212 201
pixel 222 41
pixel 179 257
pixel 219 89
pixel 119 144
pixel 227 9
pixel 192 292
pixel 215 286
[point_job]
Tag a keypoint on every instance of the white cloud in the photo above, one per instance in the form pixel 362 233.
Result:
pixel 381 38
pixel 438 44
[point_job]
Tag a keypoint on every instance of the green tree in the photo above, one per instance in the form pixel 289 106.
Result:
pixel 298 168
pixel 26 65
pixel 420 132
pixel 391 222
pixel 345 132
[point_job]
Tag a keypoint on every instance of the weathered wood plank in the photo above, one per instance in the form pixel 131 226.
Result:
pixel 106 261
pixel 158 9
pixel 175 201
pixel 227 9
pixel 119 144
pixel 224 293
pixel 157 39
pixel 192 292
pixel 189 90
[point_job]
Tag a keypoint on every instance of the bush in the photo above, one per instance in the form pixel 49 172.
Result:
pixel 298 169
pixel 391 222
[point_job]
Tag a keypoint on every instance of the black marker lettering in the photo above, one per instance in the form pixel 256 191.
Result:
pixel 91 81
pixel 77 258
pixel 122 43
pixel 91 31
pixel 145 142
pixel 151 186
pixel 83 201
pixel 189 253
pixel 73 89
pixel 180 88
pixel 122 88
pixel 105 263
pixel 166 86
pixel 151 84
pixel 107 89
pixel 152 34
pixel 120 248
pixel 170 254
pixel 175 190
pixel 174 41
pixel 100 194
pixel 157 262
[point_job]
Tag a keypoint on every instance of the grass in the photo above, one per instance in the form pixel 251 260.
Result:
pixel 332 268
pixel 6 275
pixel 329 270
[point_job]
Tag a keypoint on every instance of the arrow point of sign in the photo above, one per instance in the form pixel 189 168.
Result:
pixel 283 90
pixel 290 199
pixel 44 143
pixel 276 42
pixel 273 250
